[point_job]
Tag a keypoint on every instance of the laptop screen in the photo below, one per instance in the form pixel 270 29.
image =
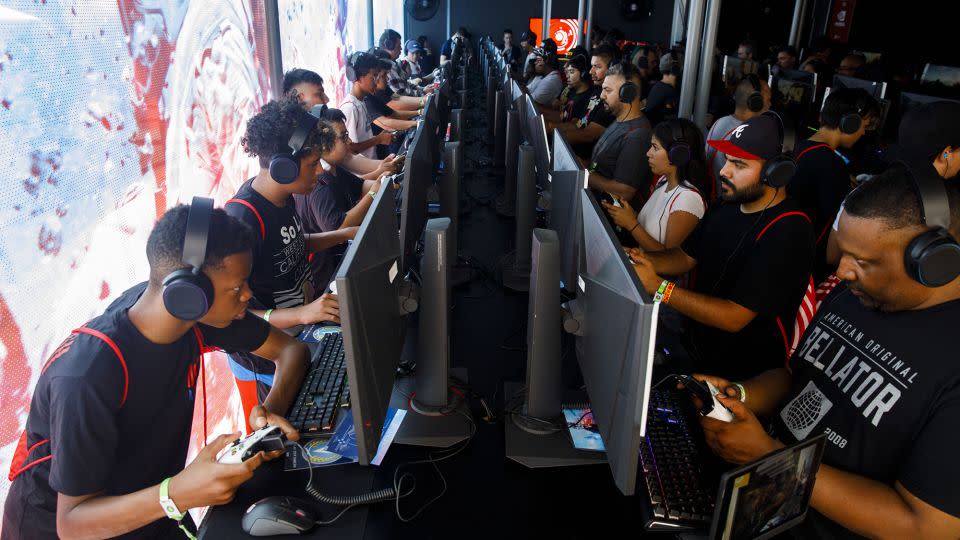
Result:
pixel 768 496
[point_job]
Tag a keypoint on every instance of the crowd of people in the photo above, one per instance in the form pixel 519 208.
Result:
pixel 723 228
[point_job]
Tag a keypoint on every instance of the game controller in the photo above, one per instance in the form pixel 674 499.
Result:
pixel 707 393
pixel 267 439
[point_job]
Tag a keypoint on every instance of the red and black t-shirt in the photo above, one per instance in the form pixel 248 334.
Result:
pixel 760 261
pixel 821 183
pixel 101 442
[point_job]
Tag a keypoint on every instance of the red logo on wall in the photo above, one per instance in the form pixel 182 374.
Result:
pixel 841 19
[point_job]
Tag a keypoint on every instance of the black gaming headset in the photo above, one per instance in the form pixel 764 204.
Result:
pixel 933 257
pixel 188 292
pixel 348 66
pixel 679 152
pixel 285 166
pixel 850 123
pixel 778 171
pixel 754 101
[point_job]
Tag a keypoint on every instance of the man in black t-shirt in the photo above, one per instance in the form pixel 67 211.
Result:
pixel 618 165
pixel 823 178
pixel 664 96
pixel 339 201
pixel 582 132
pixel 283 292
pixel 877 372
pixel 752 256
pixel 111 413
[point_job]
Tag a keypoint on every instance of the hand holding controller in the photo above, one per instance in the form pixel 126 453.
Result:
pixel 266 439
pixel 707 394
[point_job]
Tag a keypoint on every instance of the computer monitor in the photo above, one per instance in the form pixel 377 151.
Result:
pixel 910 100
pixel 795 94
pixel 536 135
pixel 876 89
pixel 417 177
pixel 734 69
pixel 797 75
pixel 568 178
pixel 948 76
pixel 616 346
pixel 367 286
pixel 517 90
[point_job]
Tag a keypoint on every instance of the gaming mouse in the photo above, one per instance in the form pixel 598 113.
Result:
pixel 278 515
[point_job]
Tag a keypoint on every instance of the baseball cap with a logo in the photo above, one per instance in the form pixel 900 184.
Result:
pixel 755 139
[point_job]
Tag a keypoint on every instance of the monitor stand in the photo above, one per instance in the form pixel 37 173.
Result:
pixel 429 426
pixel 536 451
pixel 530 442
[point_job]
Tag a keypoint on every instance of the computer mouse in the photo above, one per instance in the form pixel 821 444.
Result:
pixel 278 515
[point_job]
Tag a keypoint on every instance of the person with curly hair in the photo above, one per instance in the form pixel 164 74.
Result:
pixel 283 291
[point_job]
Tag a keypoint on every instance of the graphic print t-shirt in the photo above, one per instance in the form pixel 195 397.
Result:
pixel 281 276
pixel 885 388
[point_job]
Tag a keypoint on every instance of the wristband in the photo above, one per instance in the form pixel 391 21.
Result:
pixel 372 194
pixel 668 292
pixel 171 510
pixel 266 314
pixel 743 392
pixel 663 288
pixel 634 227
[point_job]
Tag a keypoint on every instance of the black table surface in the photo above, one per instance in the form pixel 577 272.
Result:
pixel 487 494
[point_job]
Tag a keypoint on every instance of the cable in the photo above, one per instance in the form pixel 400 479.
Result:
pixel 382 495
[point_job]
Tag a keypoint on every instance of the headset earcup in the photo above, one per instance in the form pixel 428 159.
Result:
pixel 933 258
pixel 850 123
pixel 679 154
pixel 187 296
pixel 628 92
pixel 284 168
pixel 755 102
pixel 778 172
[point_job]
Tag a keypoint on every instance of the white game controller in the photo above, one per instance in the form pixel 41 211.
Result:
pixel 267 439
pixel 719 412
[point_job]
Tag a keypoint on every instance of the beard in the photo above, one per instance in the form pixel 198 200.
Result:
pixel 740 195
pixel 868 302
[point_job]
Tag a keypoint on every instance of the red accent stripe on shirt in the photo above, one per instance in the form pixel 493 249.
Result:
pixel 263 229
pixel 106 339
pixel 778 218
pixel 814 147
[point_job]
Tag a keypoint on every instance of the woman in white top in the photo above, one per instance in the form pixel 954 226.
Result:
pixel 676 204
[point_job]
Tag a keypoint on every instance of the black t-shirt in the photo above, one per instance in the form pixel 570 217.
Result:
pixel 281 276
pixel 376 105
pixel 621 154
pixel 885 388
pixel 573 104
pixel 98 444
pixel 661 102
pixel 760 261
pixel 323 210
pixel 596 113
pixel 821 183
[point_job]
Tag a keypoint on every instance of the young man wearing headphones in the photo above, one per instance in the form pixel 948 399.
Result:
pixel 284 137
pixel 751 98
pixel 109 425
pixel 582 132
pixel 752 255
pixel 573 99
pixel 664 95
pixel 363 70
pixel 823 178
pixel 546 85
pixel 875 370
pixel 618 165
pixel 397 79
